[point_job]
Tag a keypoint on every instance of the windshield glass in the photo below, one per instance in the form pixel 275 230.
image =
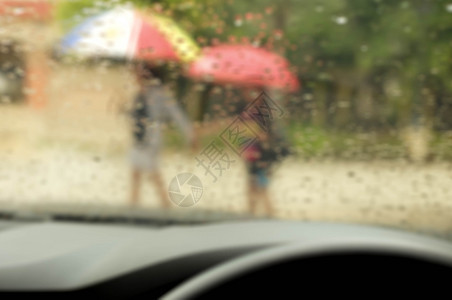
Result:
pixel 313 110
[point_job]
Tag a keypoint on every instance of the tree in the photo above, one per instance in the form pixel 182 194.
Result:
pixel 395 54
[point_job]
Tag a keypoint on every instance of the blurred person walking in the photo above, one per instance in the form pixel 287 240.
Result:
pixel 153 107
pixel 251 70
pixel 262 156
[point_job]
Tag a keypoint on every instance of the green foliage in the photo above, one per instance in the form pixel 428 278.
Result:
pixel 369 43
pixel 70 13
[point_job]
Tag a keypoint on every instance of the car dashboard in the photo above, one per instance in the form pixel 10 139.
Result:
pixel 262 258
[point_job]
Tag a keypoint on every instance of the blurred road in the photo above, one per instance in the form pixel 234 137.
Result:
pixel 388 193
pixel 75 152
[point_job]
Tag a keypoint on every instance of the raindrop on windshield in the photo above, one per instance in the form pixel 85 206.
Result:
pixel 341 20
pixel 405 5
pixel 238 21
pixel 269 10
pixel 17 11
pixel 449 7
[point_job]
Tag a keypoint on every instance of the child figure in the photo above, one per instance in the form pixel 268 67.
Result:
pixel 260 159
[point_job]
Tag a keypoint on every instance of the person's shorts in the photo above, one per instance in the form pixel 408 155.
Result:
pixel 144 158
pixel 262 179
pixel 260 176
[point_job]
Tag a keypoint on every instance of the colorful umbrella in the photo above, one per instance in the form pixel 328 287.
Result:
pixel 125 32
pixel 243 65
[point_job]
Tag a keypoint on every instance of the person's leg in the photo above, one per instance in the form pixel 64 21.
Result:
pixel 159 184
pixel 135 187
pixel 263 182
pixel 252 194
pixel 267 202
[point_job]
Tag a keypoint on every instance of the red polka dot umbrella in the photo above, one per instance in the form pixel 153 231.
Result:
pixel 243 65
